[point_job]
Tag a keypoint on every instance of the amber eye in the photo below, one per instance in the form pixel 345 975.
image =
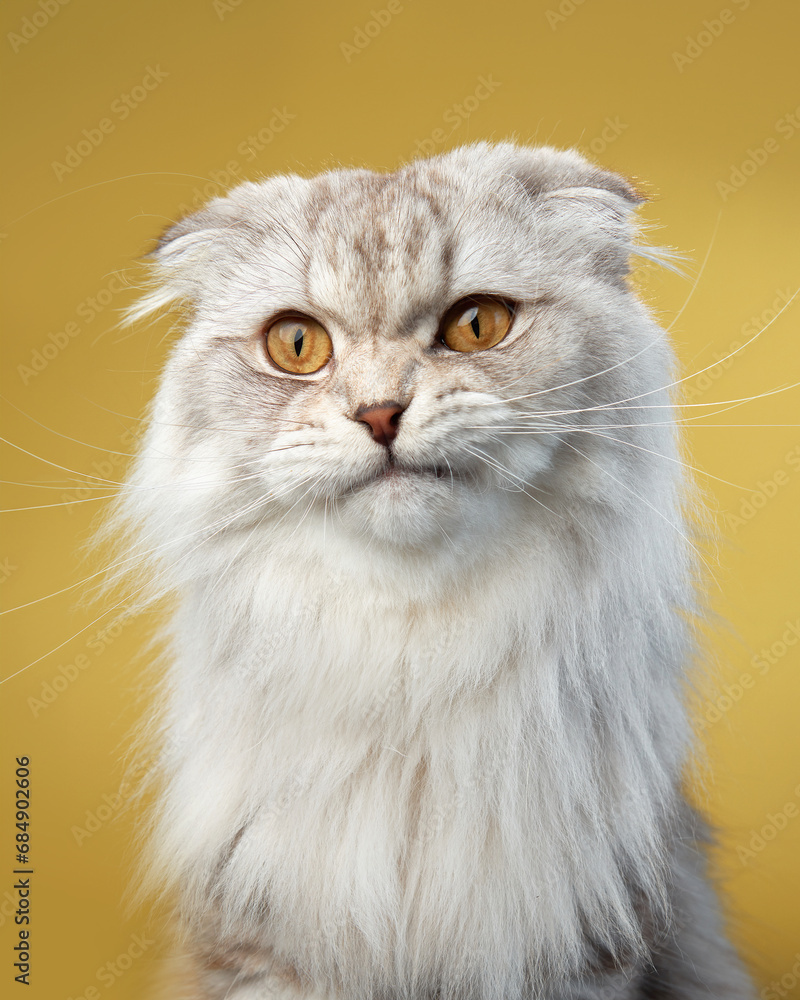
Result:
pixel 298 344
pixel 476 324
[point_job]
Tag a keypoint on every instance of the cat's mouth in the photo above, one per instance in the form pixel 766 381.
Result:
pixel 395 471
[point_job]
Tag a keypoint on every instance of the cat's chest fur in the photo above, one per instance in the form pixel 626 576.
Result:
pixel 412 480
pixel 401 773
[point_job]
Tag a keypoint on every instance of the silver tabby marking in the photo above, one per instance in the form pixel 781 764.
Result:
pixel 424 705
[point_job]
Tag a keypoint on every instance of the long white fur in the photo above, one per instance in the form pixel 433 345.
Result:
pixel 424 733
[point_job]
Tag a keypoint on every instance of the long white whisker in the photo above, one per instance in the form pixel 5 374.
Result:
pixel 516 480
pixel 658 454
pixel 128 454
pixel 224 521
pixel 511 429
pixel 103 483
pixel 55 465
pixel 619 407
pixel 94 622
pixel 63 503
pixel 655 340
pixel 512 477
pixel 646 503
pixel 167 423
pixel 699 274
pixel 663 388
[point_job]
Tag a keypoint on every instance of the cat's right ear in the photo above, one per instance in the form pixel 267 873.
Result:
pixel 178 263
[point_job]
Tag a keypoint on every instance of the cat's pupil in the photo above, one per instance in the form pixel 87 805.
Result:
pixel 298 341
pixel 475 324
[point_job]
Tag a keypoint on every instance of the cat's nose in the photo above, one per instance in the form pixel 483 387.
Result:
pixel 383 420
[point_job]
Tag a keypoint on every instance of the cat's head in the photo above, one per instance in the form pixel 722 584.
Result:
pixel 378 349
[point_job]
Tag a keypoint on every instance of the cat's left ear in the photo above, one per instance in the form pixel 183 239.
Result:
pixel 586 213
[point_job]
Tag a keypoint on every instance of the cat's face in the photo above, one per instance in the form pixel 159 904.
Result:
pixel 326 370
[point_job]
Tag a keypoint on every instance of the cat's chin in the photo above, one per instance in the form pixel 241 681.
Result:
pixel 407 508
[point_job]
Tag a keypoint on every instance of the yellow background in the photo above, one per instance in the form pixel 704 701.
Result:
pixel 602 75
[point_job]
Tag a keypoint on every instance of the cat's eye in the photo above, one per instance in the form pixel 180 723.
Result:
pixel 298 344
pixel 476 324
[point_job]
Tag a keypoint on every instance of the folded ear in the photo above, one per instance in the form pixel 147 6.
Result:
pixel 193 229
pixel 545 171
pixel 192 252
pixel 585 211
pixel 180 259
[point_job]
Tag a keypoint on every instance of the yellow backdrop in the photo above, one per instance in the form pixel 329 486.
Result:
pixel 126 114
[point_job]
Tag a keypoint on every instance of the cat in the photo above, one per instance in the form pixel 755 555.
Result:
pixel 412 489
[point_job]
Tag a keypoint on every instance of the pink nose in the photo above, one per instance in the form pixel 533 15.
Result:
pixel 383 420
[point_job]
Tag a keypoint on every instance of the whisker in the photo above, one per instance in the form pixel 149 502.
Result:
pixel 46 485
pixel 125 600
pixel 150 420
pixel 255 527
pixel 619 407
pixel 508 474
pixel 224 521
pixel 512 430
pixel 663 388
pixel 647 504
pixel 642 350
pixel 658 454
pixel 512 477
pixel 66 437
pixel 50 506
pixel 55 465
pixel 694 287
pixel 113 484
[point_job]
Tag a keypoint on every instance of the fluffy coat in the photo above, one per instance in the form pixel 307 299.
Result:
pixel 424 732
